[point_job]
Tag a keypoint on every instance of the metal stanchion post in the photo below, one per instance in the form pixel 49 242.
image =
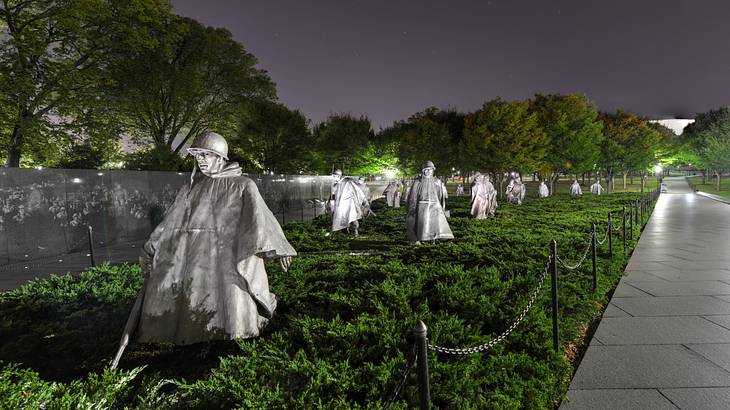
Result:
pixel 610 236
pixel 631 221
pixel 554 292
pixel 420 333
pixel 593 253
pixel 623 226
pixel 91 245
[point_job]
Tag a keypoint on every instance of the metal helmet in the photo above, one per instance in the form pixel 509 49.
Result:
pixel 428 164
pixel 337 172
pixel 210 142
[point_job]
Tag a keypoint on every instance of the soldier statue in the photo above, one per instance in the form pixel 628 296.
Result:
pixel 596 188
pixel 203 265
pixel 575 189
pixel 542 190
pixel 516 190
pixel 483 197
pixel 426 218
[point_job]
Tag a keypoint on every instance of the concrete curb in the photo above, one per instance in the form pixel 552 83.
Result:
pixel 714 197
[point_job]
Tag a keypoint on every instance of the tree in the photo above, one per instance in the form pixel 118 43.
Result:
pixel 273 138
pixel 52 50
pixel 695 137
pixel 716 151
pixel 425 140
pixel 434 135
pixel 339 139
pixel 195 79
pixel 630 145
pixel 574 132
pixel 504 136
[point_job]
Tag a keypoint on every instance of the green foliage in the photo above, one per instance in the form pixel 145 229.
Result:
pixel 194 79
pixel 504 136
pixel 157 158
pixel 377 159
pixel 431 135
pixel 630 144
pixel 573 130
pixel 53 52
pixel 341 336
pixel 339 139
pixel 272 137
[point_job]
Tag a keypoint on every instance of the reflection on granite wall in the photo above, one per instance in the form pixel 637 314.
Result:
pixel 46 212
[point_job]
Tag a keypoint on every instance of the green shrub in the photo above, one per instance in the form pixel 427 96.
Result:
pixel 341 336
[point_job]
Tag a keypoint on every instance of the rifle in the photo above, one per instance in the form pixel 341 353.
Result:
pixel 131 325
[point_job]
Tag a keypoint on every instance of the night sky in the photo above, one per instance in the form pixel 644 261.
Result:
pixel 388 59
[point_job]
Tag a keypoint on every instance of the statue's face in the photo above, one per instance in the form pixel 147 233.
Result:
pixel 209 162
pixel 336 177
pixel 428 172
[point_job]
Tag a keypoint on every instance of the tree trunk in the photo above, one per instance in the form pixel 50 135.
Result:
pixel 15 147
pixel 717 182
pixel 553 179
pixel 624 174
pixel 643 179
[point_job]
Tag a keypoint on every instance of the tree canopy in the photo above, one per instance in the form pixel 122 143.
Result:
pixel 573 130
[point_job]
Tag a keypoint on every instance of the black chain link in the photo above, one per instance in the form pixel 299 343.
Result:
pixel 403 379
pixel 486 346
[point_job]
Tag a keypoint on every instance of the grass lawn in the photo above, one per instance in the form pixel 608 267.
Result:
pixel 710 186
pixel 341 336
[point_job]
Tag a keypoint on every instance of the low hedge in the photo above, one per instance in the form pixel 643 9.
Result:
pixel 341 337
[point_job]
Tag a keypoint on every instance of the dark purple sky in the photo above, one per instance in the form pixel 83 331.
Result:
pixel 388 59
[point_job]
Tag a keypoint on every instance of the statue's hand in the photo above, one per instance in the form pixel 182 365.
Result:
pixel 285 263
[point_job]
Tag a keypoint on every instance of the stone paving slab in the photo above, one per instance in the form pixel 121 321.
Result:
pixel 711 398
pixel 625 290
pixel 694 265
pixel 699 288
pixel 722 320
pixel 660 330
pixel 646 366
pixel 692 275
pixel 641 276
pixel 613 311
pixel 645 266
pixel 716 353
pixel 616 399
pixel 673 306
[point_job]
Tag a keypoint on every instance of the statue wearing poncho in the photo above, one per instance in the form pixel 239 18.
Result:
pixel 483 197
pixel 516 190
pixel 426 201
pixel 596 188
pixel 543 191
pixel 204 263
pixel 575 189
pixel 392 194
pixel 349 203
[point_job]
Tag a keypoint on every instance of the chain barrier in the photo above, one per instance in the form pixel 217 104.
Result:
pixel 403 379
pixel 605 237
pixel 582 259
pixel 486 346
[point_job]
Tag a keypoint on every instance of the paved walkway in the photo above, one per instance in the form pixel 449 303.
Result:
pixel 664 340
